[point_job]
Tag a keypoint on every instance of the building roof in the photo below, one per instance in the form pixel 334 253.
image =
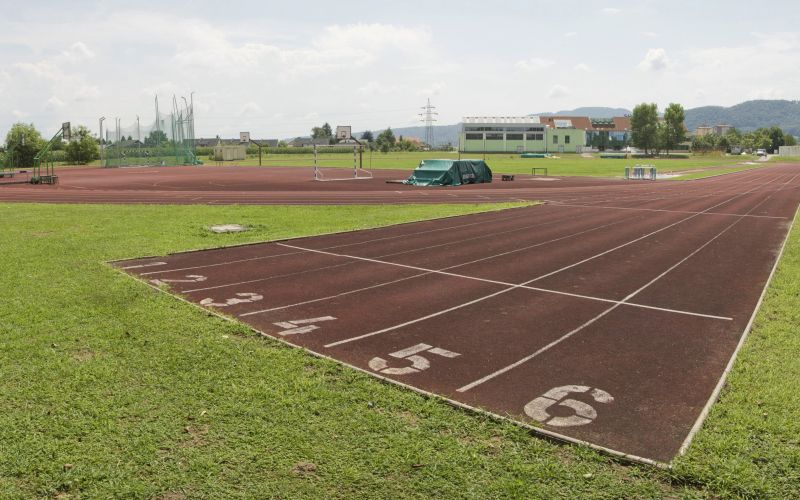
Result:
pixel 501 119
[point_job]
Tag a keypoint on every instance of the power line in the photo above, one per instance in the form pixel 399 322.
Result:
pixel 428 117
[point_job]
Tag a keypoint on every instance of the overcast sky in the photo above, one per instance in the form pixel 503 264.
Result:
pixel 279 68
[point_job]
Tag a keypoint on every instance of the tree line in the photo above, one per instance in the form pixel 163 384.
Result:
pixel 769 139
pixel 654 135
pixel 23 142
pixel 385 141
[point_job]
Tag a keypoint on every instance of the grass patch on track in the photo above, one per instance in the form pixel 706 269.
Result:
pixel 109 388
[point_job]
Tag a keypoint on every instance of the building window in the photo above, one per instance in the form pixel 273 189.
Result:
pixel 535 137
pixel 566 139
pixel 513 137
pixel 494 137
pixel 474 137
pixel 555 139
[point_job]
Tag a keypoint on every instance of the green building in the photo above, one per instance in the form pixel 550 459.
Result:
pixel 518 134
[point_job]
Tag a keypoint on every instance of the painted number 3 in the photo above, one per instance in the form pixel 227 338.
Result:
pixel 583 413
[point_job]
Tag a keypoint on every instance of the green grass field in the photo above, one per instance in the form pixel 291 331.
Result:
pixel 696 166
pixel 109 388
pixel 565 165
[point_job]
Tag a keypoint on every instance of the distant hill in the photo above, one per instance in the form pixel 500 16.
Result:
pixel 746 116
pixel 749 115
pixel 442 134
pixel 591 112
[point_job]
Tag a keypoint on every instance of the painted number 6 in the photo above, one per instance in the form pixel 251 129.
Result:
pixel 584 413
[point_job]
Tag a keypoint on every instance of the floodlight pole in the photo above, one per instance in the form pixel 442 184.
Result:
pixel 102 142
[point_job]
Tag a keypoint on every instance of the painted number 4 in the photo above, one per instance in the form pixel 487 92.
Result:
pixel 418 363
pixel 583 413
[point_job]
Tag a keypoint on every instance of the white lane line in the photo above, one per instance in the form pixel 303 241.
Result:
pixel 152 264
pixel 393 254
pixel 557 341
pixel 250 259
pixel 219 263
pixel 665 210
pixel 480 299
pixel 512 286
pixel 426 270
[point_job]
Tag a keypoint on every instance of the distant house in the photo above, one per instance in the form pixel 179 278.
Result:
pixel 722 129
pixel 208 143
pixel 307 142
pixel 716 129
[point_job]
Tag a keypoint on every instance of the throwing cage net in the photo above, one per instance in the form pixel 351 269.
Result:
pixel 166 140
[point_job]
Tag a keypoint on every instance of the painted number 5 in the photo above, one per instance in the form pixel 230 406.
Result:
pixel 418 363
pixel 583 413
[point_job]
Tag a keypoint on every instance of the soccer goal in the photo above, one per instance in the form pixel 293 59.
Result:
pixel 326 155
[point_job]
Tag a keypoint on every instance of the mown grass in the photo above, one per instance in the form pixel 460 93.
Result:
pixel 508 163
pixel 109 388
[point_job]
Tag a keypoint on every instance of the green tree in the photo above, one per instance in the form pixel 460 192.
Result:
pixel 789 140
pixel 386 140
pixel 155 138
pixel 674 132
pixel 777 138
pixel 323 132
pixel 367 136
pixel 83 148
pixel 23 141
pixel 644 126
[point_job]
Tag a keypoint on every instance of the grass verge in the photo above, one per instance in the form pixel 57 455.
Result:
pixel 111 389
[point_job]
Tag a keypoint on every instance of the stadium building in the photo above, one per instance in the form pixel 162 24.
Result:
pixel 518 134
pixel 543 134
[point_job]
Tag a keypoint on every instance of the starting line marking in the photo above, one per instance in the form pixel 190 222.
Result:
pixel 607 311
pixel 513 287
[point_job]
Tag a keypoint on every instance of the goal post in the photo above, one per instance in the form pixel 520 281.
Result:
pixel 358 150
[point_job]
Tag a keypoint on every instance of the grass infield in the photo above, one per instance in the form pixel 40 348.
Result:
pixel 696 166
pixel 109 388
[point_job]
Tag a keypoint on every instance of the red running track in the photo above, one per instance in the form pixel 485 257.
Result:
pixel 273 185
pixel 608 317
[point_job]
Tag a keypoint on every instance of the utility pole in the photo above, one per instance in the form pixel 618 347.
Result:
pixel 102 142
pixel 428 117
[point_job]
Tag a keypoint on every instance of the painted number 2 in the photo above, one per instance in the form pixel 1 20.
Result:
pixel 418 363
pixel 583 413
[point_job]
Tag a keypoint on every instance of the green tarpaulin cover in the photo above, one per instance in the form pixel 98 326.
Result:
pixel 450 173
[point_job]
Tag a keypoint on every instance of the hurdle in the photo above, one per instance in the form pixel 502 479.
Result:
pixel 538 169
pixel 641 172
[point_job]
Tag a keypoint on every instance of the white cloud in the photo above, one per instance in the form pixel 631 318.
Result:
pixel 373 88
pixel 434 88
pixel 250 109
pixel 78 51
pixel 582 67
pixel 611 10
pixel 651 34
pixel 87 93
pixel 336 48
pixel 19 114
pixel 570 34
pixel 557 91
pixel 534 64
pixel 54 103
pixel 654 60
